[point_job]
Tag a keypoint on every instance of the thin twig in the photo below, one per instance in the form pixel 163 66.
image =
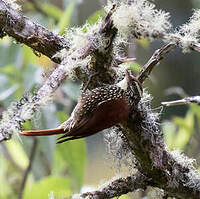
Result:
pixel 155 59
pixel 28 169
pixel 187 100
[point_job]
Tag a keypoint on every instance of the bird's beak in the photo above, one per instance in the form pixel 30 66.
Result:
pixel 127 75
pixel 130 78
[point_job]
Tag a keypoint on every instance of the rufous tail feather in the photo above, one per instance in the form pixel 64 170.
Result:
pixel 42 132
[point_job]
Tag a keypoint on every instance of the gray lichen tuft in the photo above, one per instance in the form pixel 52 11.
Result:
pixel 118 148
pixel 190 177
pixel 83 41
pixel 18 113
pixel 140 16
pixel 13 4
pixel 188 34
pixel 150 124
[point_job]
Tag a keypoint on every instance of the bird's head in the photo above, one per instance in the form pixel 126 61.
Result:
pixel 130 82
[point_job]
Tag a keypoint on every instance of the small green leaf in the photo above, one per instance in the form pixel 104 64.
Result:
pixel 134 67
pixel 27 125
pixel 64 22
pixel 59 186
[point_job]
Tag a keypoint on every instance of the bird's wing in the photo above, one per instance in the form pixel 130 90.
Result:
pixel 74 133
pixel 99 119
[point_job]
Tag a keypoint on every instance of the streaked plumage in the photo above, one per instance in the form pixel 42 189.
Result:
pixel 96 110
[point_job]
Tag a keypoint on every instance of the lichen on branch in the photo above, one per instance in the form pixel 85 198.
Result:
pixel 97 49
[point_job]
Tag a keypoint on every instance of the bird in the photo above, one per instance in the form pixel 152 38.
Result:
pixel 96 110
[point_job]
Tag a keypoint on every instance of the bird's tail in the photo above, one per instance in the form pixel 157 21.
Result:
pixel 43 132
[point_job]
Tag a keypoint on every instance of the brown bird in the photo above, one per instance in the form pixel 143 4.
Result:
pixel 98 109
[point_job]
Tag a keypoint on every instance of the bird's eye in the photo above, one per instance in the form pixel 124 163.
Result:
pixel 107 42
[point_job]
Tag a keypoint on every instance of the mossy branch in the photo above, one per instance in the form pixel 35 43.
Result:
pixel 118 187
pixel 24 31
pixel 157 166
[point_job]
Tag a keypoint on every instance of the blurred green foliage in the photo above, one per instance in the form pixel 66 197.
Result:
pixel 64 21
pixel 57 170
pixel 179 132
pixel 59 186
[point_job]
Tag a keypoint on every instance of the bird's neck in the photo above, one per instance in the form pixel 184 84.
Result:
pixel 123 84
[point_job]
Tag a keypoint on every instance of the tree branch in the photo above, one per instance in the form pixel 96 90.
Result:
pixel 155 59
pixel 32 103
pixel 32 34
pixel 170 171
pixel 118 187
pixel 174 173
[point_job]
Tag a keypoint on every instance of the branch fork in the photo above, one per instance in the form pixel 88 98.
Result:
pixel 157 166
